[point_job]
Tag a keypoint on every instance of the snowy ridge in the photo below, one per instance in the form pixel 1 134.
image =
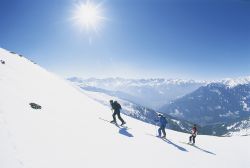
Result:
pixel 230 82
pixel 121 82
pixel 69 130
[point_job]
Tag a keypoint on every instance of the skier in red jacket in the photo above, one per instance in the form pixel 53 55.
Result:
pixel 193 135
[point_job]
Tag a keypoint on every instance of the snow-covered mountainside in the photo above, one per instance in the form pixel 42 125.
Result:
pixel 70 129
pixel 241 127
pixel 238 128
pixel 152 93
pixel 139 112
pixel 213 104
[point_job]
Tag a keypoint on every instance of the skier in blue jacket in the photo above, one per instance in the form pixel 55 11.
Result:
pixel 163 123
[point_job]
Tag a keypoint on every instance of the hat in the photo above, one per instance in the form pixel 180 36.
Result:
pixel 159 114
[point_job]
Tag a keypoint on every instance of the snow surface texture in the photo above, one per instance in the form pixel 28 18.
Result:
pixel 68 132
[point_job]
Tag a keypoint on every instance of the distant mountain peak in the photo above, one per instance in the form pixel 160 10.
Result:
pixel 232 82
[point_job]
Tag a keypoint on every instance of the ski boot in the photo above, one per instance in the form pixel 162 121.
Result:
pixel 123 123
pixel 113 122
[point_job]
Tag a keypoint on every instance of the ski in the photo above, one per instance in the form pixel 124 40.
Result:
pixel 187 143
pixel 119 126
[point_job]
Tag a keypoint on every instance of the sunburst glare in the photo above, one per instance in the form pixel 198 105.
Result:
pixel 88 16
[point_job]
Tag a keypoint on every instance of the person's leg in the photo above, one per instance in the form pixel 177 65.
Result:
pixel 194 139
pixel 114 119
pixel 120 118
pixel 163 131
pixel 190 139
pixel 159 132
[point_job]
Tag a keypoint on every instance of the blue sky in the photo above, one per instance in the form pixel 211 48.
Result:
pixel 190 39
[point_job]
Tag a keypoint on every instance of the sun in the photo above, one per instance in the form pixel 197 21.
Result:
pixel 88 16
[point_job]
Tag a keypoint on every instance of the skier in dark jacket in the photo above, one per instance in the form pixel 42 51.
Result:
pixel 116 107
pixel 193 135
pixel 163 123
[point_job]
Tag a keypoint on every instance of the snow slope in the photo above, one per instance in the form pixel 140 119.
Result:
pixel 68 132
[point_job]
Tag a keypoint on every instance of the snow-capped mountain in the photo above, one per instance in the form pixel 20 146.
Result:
pixel 70 129
pixel 213 104
pixel 232 82
pixel 152 93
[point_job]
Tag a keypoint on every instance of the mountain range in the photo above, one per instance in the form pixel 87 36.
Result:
pixel 213 105
pixel 151 93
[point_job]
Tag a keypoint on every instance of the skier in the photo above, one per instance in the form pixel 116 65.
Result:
pixel 163 123
pixel 116 107
pixel 193 135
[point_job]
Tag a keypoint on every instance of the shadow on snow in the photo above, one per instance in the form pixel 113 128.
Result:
pixel 171 143
pixel 122 130
pixel 175 145
pixel 206 151
pixel 203 150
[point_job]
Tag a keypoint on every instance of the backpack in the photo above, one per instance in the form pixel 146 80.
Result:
pixel 119 106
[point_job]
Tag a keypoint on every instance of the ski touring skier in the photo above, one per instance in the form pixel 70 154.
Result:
pixel 116 107
pixel 193 135
pixel 163 123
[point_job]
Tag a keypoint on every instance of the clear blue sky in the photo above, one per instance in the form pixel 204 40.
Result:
pixel 191 39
